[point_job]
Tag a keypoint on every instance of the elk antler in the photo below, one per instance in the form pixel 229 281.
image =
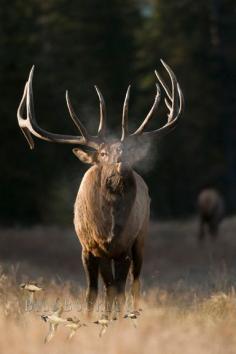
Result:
pixel 125 115
pixel 30 126
pixel 102 124
pixel 174 103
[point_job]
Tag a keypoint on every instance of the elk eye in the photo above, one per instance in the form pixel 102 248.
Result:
pixel 103 154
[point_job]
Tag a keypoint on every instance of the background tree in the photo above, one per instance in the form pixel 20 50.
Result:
pixel 192 37
pixel 76 44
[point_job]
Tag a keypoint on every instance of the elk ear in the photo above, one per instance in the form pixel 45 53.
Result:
pixel 86 156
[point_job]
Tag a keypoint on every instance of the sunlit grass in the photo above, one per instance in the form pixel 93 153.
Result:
pixel 171 322
pixel 188 298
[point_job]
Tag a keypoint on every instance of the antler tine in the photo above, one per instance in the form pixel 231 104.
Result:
pixel 23 122
pixel 175 106
pixel 75 118
pixel 125 114
pixel 30 126
pixel 171 124
pixel 172 120
pixel 163 84
pixel 102 123
pixel 174 97
pixel 151 112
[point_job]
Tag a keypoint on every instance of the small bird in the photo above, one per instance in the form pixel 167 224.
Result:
pixel 133 315
pixel 103 322
pixel 32 288
pixel 54 320
pixel 74 325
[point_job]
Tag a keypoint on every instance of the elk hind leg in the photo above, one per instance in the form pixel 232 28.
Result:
pixel 213 229
pixel 137 261
pixel 201 232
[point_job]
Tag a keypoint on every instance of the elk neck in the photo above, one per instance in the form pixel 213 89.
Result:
pixel 117 197
pixel 117 179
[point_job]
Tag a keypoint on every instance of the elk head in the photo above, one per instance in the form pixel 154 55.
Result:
pixel 120 153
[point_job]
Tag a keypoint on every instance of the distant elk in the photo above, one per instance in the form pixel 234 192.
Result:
pixel 211 212
pixel 111 211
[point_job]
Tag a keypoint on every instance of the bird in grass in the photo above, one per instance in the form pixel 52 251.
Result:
pixel 74 324
pixel 54 320
pixel 133 315
pixel 32 288
pixel 103 322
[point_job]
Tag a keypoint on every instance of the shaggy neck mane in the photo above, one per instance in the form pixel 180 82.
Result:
pixel 116 183
pixel 116 199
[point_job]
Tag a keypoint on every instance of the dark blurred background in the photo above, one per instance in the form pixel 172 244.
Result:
pixel 78 43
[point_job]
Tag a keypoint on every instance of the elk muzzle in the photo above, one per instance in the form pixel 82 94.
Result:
pixel 122 168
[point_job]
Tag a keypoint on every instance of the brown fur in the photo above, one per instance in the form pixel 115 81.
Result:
pixel 111 216
pixel 110 211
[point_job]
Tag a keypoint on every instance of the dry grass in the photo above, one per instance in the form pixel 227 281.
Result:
pixel 170 323
pixel 189 301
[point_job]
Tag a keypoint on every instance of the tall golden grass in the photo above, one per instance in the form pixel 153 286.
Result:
pixel 171 322
pixel 188 299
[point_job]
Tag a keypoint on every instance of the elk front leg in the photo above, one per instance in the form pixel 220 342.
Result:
pixel 107 276
pixel 91 264
pixel 121 272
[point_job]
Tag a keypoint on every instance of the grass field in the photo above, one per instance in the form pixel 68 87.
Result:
pixel 188 300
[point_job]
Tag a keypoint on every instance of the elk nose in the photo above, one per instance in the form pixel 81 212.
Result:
pixel 120 156
pixel 119 166
pixel 119 159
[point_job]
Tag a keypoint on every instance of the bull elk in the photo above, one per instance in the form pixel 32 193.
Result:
pixel 111 211
pixel 211 212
